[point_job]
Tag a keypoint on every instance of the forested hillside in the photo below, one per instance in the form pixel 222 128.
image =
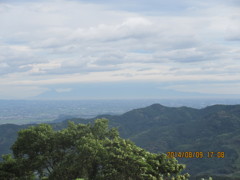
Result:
pixel 212 129
pixel 84 151
pixel 163 129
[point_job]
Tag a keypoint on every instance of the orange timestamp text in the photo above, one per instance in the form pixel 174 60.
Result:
pixel 195 154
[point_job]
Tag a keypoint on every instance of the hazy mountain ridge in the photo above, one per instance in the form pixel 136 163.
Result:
pixel 161 129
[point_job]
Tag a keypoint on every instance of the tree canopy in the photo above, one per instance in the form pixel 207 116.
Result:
pixel 84 151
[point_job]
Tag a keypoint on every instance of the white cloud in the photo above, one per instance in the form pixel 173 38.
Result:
pixel 52 42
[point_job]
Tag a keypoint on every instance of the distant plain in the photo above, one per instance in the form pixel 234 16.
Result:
pixel 37 111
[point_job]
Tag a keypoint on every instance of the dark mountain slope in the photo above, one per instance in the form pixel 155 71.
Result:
pixel 162 129
pixel 139 120
pixel 212 129
pixel 8 134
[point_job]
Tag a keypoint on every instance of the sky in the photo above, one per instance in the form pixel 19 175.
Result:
pixel 109 49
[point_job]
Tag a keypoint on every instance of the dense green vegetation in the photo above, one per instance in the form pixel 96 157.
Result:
pixel 212 129
pixel 92 152
pixel 161 129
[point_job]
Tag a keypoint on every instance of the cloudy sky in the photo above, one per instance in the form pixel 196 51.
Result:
pixel 119 49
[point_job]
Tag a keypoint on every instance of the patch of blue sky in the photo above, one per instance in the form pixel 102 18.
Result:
pixel 150 7
pixel 14 41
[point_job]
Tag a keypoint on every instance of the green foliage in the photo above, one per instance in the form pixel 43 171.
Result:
pixel 11 168
pixel 162 129
pixel 92 152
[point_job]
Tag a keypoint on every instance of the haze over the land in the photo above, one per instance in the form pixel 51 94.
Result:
pixel 66 49
pixel 40 111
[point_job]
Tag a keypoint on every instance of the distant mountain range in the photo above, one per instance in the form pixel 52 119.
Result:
pixel 164 129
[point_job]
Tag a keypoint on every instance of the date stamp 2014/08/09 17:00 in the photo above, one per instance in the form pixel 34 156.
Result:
pixel 190 154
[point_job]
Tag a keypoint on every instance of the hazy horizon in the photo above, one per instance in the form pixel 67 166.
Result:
pixel 39 111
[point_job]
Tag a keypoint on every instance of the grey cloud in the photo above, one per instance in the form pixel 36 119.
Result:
pixel 114 59
pixel 233 37
pixel 79 70
pixel 110 44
